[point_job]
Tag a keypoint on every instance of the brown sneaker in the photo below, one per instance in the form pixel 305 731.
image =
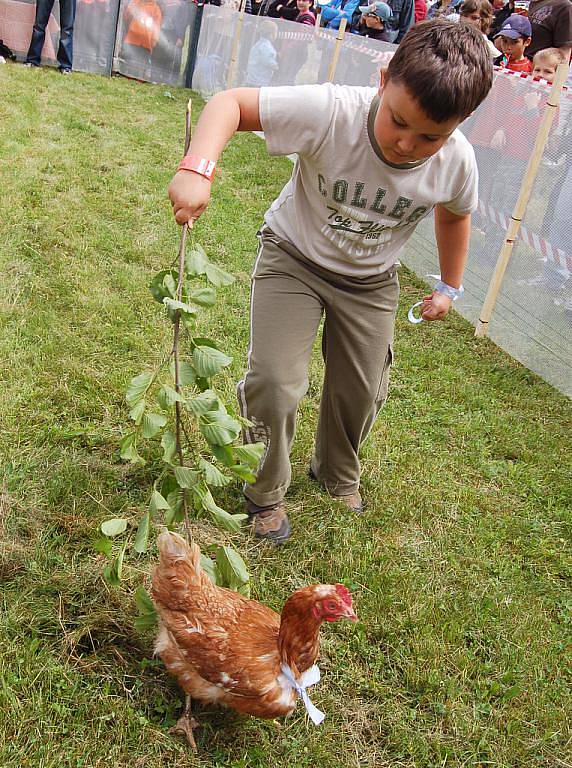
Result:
pixel 270 523
pixel 353 501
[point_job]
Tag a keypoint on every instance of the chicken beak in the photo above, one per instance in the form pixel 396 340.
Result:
pixel 350 614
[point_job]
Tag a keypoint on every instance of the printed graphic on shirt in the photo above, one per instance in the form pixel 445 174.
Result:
pixel 342 197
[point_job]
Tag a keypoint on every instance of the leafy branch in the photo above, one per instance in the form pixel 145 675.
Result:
pixel 176 406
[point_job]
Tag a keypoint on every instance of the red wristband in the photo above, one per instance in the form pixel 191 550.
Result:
pixel 198 165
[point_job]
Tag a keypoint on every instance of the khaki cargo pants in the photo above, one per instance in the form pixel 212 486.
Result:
pixel 289 295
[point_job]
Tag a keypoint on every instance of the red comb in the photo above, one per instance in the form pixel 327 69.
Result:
pixel 344 594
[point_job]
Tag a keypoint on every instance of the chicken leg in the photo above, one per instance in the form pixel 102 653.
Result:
pixel 185 725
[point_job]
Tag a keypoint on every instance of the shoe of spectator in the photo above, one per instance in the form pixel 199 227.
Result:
pixel 65 71
pixel 2 60
pixel 270 523
pixel 30 65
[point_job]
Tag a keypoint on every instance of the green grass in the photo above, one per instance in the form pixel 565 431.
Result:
pixel 460 567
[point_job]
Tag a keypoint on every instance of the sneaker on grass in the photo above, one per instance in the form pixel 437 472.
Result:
pixel 270 523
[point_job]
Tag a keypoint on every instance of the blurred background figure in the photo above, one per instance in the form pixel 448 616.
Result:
pixel 263 58
pixel 65 47
pixel 167 54
pixel 143 19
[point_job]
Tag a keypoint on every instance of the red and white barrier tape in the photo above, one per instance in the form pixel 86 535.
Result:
pixel 562 259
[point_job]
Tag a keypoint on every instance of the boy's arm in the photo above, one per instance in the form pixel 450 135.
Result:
pixel 452 233
pixel 224 115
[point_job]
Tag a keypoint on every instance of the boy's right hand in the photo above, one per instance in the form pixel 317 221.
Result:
pixel 189 194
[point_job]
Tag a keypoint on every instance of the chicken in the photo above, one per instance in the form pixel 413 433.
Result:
pixel 223 648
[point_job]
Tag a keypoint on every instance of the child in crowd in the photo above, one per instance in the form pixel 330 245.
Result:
pixel 371 163
pixel 545 63
pixel 479 13
pixel 370 20
pixel 306 13
pixel 514 37
pixel 263 58
pixel 293 54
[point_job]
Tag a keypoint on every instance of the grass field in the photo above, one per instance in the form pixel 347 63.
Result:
pixel 460 566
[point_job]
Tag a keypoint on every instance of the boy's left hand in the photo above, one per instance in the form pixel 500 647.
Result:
pixel 435 306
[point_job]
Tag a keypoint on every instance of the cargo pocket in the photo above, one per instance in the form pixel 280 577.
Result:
pixel 384 383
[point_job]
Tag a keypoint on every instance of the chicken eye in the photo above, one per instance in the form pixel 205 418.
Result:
pixel 331 605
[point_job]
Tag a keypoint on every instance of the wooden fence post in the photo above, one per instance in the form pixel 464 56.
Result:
pixel 235 46
pixel 523 198
pixel 336 56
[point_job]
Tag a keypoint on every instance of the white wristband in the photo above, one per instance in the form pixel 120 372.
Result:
pixel 448 290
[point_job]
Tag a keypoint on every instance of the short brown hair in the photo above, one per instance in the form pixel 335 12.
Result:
pixel 483 8
pixel 445 66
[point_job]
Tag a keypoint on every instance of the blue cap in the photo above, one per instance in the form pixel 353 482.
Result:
pixel 381 10
pixel 514 27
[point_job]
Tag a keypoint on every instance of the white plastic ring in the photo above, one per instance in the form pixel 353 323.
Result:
pixel 411 314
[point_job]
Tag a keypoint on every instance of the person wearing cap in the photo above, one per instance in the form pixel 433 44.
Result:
pixel 370 21
pixel 513 38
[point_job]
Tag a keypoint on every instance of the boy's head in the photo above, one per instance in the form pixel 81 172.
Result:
pixel 375 15
pixel 479 13
pixel 438 76
pixel 514 36
pixel 546 62
pixel 304 6
pixel 268 30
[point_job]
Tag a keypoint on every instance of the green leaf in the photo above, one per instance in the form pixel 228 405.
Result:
pixel 142 535
pixel 231 523
pixel 179 306
pixel 114 526
pixel 157 502
pixel 185 477
pixel 231 567
pixel 213 475
pixel 220 516
pixel 169 446
pixel 138 387
pixel 137 411
pixel 102 545
pixel 208 361
pixel 218 276
pixel 209 567
pixel 219 428
pixel 224 454
pixel 244 589
pixel 147 621
pixel 143 601
pixel 187 374
pixel 196 261
pixel 112 573
pixel 152 423
pixel 244 472
pixel 171 396
pixel 204 297
pixel 164 285
pixel 204 402
pixel 128 449
pixel 250 454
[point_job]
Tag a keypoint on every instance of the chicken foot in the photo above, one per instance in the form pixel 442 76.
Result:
pixel 185 725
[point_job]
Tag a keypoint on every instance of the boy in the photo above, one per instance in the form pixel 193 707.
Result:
pixel 370 21
pixel 545 63
pixel 371 164
pixel 514 36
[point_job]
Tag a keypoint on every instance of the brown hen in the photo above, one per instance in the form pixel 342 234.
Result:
pixel 227 649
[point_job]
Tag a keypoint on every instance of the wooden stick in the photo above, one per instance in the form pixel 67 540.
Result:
pixel 318 22
pixel 235 46
pixel 523 198
pixel 336 56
